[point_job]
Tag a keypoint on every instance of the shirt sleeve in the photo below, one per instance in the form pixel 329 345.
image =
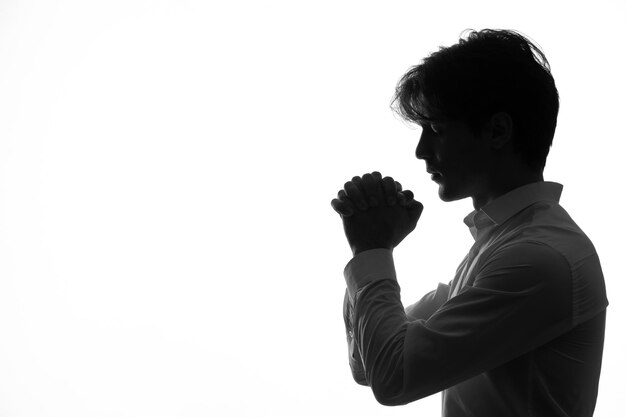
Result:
pixel 368 266
pixel 354 358
pixel 518 301
pixel 428 304
pixel 422 309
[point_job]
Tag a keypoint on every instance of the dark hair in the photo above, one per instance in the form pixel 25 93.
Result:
pixel 488 72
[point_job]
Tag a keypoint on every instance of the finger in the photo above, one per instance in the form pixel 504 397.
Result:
pixel 410 203
pixel 398 186
pixel 415 205
pixel 408 194
pixel 345 201
pixel 391 193
pixel 404 197
pixel 408 197
pixel 372 190
pixel 381 189
pixel 416 208
pixel 342 207
pixel 358 182
pixel 354 193
pixel 401 199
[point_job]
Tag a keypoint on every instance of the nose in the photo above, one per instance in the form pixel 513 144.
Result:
pixel 423 150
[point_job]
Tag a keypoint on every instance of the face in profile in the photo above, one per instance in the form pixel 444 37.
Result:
pixel 457 159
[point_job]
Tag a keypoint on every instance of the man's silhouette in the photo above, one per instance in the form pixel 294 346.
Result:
pixel 519 331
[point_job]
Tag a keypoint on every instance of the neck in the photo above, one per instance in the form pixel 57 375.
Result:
pixel 504 182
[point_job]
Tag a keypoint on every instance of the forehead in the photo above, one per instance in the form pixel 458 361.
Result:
pixel 428 111
pixel 424 106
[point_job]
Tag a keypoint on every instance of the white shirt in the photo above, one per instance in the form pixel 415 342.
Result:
pixel 518 332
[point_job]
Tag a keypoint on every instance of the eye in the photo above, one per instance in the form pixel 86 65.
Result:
pixel 435 128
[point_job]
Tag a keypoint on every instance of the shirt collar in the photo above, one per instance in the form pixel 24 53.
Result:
pixel 507 205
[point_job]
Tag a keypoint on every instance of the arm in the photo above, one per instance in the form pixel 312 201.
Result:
pixel 405 212
pixel 354 357
pixel 519 301
pixel 422 309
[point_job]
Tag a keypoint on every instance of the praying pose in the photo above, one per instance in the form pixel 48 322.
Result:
pixel 519 329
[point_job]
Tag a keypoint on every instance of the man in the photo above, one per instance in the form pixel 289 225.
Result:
pixel 519 331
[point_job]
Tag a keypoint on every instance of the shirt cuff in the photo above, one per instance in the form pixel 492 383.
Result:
pixel 368 267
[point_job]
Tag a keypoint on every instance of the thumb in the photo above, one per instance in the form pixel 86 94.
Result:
pixel 415 205
pixel 415 208
pixel 404 197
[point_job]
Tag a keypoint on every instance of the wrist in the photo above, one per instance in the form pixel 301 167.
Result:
pixel 362 248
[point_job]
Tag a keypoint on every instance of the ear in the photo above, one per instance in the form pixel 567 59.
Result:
pixel 500 130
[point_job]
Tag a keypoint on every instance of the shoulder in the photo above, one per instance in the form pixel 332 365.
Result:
pixel 549 223
pixel 525 264
pixel 536 267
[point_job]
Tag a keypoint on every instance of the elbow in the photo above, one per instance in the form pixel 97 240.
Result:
pixel 387 399
pixel 387 381
pixel 361 381
pixel 389 395
pixel 359 375
pixel 393 391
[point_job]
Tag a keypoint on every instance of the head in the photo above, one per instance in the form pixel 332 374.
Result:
pixel 491 97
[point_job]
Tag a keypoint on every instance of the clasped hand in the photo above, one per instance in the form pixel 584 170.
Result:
pixel 376 213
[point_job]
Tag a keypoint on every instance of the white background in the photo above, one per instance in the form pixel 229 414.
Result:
pixel 167 245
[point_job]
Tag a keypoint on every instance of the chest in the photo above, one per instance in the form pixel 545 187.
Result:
pixel 480 253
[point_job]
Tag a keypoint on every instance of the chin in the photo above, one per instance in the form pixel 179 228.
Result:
pixel 447 194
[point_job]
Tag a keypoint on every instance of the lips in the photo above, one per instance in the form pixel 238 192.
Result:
pixel 434 175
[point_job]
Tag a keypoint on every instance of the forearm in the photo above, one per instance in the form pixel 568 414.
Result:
pixel 402 359
pixel 379 331
pixel 354 357
pixel 379 324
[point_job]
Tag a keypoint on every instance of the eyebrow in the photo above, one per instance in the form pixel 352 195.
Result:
pixel 431 121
